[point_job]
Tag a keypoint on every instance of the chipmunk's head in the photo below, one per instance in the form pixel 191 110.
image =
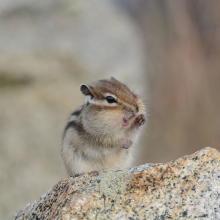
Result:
pixel 110 106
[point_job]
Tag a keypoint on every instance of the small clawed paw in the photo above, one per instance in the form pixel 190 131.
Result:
pixel 140 120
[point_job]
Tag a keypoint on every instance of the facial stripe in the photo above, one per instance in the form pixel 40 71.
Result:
pixel 110 94
pixel 104 107
pixel 103 101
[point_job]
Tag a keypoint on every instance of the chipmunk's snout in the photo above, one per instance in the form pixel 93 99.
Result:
pixel 135 110
pixel 130 112
pixel 131 109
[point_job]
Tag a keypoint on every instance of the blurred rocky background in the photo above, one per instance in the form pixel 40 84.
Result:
pixel 168 50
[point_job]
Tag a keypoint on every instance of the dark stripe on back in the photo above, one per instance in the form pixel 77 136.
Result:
pixel 77 112
pixel 77 126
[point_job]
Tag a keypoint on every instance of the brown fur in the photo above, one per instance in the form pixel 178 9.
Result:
pixel 94 137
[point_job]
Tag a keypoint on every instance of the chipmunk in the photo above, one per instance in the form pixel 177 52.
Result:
pixel 104 131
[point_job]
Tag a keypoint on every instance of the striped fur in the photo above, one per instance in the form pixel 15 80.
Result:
pixel 94 137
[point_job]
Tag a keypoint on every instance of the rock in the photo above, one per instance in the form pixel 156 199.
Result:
pixel 187 188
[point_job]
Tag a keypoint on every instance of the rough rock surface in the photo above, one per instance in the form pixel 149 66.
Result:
pixel 187 188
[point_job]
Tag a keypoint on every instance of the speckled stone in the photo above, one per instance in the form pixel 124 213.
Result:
pixel 187 188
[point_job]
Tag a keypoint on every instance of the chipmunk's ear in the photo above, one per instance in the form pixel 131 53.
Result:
pixel 112 78
pixel 85 90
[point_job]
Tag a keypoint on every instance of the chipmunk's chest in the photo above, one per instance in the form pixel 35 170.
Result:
pixel 97 160
pixel 97 153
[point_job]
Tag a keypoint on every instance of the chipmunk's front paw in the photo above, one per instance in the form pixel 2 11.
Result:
pixel 140 120
pixel 125 143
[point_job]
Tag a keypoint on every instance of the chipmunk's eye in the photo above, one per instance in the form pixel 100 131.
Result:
pixel 110 99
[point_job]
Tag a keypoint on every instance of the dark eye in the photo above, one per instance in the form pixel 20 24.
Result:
pixel 110 99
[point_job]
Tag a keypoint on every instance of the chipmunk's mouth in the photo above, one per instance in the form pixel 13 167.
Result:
pixel 127 121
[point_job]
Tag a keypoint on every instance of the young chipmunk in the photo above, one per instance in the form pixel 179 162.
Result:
pixel 103 132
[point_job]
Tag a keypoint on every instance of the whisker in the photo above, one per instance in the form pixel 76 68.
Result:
pixel 148 135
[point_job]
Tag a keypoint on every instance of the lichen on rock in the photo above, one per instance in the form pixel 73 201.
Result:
pixel 114 181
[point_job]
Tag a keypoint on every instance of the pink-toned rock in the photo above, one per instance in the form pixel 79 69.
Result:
pixel 187 188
